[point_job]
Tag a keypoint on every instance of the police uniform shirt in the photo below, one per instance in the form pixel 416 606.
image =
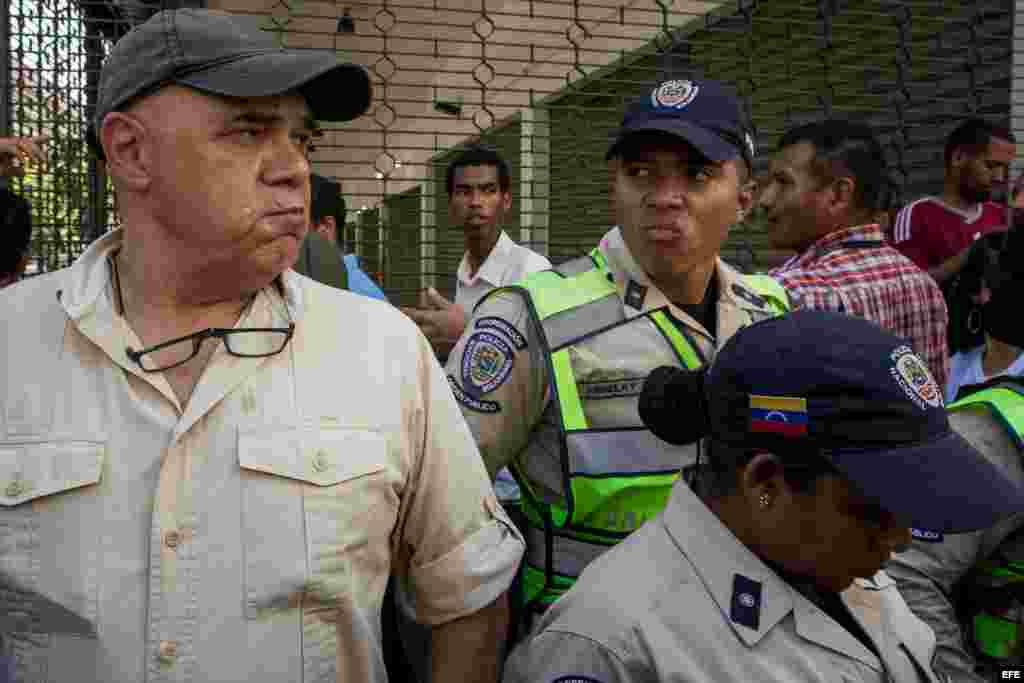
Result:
pixel 927 572
pixel 508 409
pixel 683 600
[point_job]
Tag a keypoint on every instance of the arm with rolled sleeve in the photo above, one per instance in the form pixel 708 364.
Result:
pixel 458 548
pixel 502 419
pixel 926 574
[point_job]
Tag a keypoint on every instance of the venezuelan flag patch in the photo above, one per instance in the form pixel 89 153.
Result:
pixel 783 415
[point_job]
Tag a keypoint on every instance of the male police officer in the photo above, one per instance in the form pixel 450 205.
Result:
pixel 548 372
pixel 968 587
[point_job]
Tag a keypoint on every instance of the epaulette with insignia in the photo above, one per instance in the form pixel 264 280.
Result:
pixel 748 296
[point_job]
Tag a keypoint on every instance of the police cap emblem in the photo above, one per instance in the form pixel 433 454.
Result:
pixel 914 378
pixel 674 94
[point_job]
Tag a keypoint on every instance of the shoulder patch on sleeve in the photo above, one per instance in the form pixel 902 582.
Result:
pixel 487 362
pixel 575 679
pixel 475 404
pixel 504 327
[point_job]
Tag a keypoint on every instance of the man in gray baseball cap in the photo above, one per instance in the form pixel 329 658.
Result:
pixel 218 54
pixel 210 465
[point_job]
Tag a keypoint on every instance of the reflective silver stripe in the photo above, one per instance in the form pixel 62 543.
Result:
pixel 575 266
pixel 624 452
pixel 569 556
pixel 570 325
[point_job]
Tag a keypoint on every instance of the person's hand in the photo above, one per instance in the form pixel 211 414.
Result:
pixel 15 152
pixel 440 320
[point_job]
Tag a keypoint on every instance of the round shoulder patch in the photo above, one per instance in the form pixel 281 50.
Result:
pixel 674 94
pixel 913 376
pixel 486 363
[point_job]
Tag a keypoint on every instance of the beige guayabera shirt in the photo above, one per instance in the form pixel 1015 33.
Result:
pixel 246 536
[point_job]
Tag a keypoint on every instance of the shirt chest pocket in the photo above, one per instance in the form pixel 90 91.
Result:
pixel 51 525
pixel 318 508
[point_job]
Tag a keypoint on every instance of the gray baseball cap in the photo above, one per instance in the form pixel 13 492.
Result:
pixel 220 54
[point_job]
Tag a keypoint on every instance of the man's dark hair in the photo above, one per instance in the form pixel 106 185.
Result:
pixel 326 200
pixel 479 155
pixel 15 230
pixel 846 148
pixel 974 135
pixel 718 475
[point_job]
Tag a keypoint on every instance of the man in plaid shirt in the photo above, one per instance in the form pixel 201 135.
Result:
pixel 824 186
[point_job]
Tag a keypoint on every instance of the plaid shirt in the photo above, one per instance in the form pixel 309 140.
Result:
pixel 854 271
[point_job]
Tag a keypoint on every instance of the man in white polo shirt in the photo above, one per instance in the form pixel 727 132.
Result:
pixel 479 197
pixel 479 186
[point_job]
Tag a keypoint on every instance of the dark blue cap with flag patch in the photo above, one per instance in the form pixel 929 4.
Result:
pixel 850 391
pixel 704 113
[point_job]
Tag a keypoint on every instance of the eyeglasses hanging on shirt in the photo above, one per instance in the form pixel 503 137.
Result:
pixel 243 342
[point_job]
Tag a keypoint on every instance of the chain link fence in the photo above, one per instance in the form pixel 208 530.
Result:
pixel 543 81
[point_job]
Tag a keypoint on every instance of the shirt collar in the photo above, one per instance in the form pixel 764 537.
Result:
pixel 717 556
pixel 88 299
pixel 870 232
pixel 732 290
pixel 493 267
pixel 88 279
pixel 968 215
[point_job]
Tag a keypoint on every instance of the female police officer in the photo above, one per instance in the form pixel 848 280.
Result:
pixel 826 440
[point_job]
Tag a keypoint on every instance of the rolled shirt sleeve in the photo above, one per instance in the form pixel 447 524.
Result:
pixel 925 574
pixel 929 570
pixel 462 551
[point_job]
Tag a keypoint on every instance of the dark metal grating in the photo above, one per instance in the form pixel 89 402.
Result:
pixel 546 83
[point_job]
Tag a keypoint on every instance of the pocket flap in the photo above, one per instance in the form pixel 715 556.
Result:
pixel 323 456
pixel 33 470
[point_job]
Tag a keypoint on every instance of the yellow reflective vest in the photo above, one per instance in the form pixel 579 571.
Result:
pixel 999 580
pixel 613 477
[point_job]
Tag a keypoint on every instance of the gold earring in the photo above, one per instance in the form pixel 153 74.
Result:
pixel 765 500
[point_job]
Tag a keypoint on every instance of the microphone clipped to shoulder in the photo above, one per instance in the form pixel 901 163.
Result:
pixel 673 405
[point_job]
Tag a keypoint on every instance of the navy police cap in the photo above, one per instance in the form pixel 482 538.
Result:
pixel 852 392
pixel 704 113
